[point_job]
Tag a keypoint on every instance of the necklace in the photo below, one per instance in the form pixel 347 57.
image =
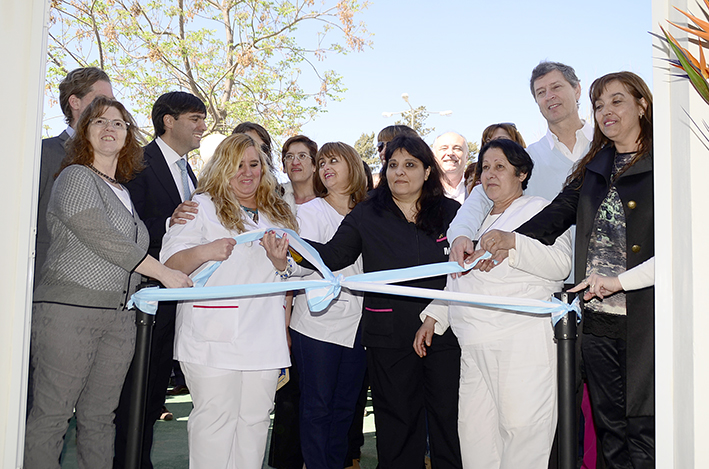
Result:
pixel 489 215
pixel 252 213
pixel 110 179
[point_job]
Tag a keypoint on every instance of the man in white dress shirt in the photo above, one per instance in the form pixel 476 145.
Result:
pixel 451 150
pixel 557 89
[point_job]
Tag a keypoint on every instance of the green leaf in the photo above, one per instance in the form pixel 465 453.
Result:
pixel 695 76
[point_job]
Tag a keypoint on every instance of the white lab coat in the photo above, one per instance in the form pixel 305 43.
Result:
pixel 235 334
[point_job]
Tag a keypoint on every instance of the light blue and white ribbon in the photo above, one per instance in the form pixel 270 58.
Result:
pixel 321 292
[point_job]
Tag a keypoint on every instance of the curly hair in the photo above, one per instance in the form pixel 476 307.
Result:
pixel 215 181
pixel 357 187
pixel 80 151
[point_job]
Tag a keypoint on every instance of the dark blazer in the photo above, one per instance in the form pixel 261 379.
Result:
pixel 155 195
pixel 386 240
pixel 578 206
pixel 53 154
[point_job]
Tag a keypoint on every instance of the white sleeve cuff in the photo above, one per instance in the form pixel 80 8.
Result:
pixel 438 310
pixel 640 276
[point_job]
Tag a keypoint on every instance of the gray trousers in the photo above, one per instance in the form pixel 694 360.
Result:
pixel 80 358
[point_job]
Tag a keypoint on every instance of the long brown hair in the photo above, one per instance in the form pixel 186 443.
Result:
pixel 357 187
pixel 639 90
pixel 215 177
pixel 80 151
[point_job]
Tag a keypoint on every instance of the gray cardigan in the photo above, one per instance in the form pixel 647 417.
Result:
pixel 96 244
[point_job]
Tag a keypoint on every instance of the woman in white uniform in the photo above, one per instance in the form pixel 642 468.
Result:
pixel 230 350
pixel 327 346
pixel 507 398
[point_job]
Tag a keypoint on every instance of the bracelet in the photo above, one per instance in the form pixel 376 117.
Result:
pixel 288 271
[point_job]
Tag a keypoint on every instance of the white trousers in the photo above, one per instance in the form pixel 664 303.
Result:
pixel 228 427
pixel 507 407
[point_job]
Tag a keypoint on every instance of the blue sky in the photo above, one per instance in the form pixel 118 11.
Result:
pixel 474 58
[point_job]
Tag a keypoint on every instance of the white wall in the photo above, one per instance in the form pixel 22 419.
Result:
pixel 23 41
pixel 682 254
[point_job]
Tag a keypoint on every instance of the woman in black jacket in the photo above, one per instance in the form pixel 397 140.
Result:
pixel 403 224
pixel 609 196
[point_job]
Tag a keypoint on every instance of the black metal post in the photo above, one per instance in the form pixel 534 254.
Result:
pixel 136 419
pixel 565 334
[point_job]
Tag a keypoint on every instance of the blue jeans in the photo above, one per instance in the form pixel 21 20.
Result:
pixel 330 380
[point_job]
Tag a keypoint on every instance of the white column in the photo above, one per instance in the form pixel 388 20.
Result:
pixel 682 255
pixel 23 39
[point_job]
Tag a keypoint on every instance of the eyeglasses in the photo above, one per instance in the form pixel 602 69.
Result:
pixel 512 124
pixel 381 146
pixel 301 156
pixel 115 124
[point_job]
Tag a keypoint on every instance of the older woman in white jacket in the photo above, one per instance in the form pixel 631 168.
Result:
pixel 507 406
pixel 231 350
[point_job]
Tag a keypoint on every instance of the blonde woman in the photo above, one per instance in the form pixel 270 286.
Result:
pixel 231 350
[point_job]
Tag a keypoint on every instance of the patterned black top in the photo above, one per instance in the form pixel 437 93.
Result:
pixel 607 256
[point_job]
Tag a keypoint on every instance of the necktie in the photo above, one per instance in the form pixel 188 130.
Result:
pixel 182 164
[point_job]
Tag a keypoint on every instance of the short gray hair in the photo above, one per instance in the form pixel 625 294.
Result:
pixel 545 67
pixel 465 146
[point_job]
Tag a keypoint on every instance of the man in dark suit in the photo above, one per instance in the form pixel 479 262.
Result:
pixel 164 185
pixel 76 92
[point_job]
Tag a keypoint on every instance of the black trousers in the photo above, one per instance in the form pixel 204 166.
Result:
pixel 408 392
pixel 160 367
pixel 285 452
pixel 627 442
pixel 355 437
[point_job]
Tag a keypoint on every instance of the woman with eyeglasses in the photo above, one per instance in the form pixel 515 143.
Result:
pixel 298 158
pixel 82 334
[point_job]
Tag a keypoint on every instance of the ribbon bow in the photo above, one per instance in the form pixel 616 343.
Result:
pixel 321 292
